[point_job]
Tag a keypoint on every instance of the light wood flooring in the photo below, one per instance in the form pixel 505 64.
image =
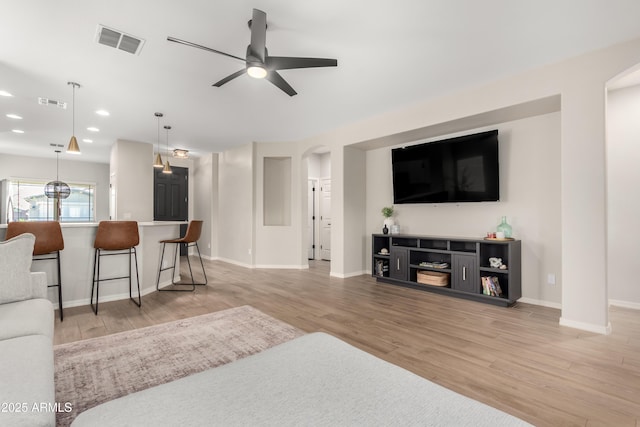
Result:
pixel 516 359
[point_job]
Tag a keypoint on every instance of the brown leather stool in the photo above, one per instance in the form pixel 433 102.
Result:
pixel 115 238
pixel 190 238
pixel 49 243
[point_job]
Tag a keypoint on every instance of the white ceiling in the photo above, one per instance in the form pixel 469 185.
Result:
pixel 390 54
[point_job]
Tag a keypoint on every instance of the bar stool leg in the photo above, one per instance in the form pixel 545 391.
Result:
pixel 202 265
pixel 59 287
pixel 95 280
pixel 135 255
pixel 173 270
pixel 160 268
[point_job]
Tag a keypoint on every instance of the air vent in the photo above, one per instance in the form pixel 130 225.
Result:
pixel 52 103
pixel 119 40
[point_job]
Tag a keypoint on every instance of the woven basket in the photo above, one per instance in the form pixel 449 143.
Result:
pixel 433 278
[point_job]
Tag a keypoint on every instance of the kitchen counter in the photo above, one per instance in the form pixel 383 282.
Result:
pixel 77 263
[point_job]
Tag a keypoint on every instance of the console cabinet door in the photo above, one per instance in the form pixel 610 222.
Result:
pixel 465 275
pixel 398 267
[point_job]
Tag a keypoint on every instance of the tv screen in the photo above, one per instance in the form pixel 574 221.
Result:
pixel 461 169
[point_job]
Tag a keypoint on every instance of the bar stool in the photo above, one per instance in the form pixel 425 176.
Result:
pixel 190 238
pixel 49 243
pixel 115 238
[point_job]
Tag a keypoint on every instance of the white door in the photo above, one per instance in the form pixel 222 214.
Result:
pixel 325 219
pixel 311 218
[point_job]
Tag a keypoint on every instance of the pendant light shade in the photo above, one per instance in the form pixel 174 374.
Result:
pixel 73 147
pixel 158 161
pixel 167 166
pixel 57 190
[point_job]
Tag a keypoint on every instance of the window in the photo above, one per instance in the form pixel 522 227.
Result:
pixel 27 202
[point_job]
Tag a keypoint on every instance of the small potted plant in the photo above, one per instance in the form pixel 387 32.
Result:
pixel 387 213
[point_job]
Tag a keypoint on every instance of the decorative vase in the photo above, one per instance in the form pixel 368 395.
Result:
pixel 504 227
pixel 385 230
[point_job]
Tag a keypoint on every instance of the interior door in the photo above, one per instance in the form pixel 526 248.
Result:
pixel 170 195
pixel 325 219
pixel 311 218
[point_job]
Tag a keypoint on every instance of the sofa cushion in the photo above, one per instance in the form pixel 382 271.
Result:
pixel 28 317
pixel 15 266
pixel 27 382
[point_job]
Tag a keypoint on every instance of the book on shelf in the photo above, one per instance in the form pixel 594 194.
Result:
pixel 382 267
pixel 434 264
pixel 491 286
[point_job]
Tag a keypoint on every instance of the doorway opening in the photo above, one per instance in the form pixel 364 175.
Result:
pixel 319 204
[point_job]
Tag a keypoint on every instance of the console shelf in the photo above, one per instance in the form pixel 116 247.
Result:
pixel 398 258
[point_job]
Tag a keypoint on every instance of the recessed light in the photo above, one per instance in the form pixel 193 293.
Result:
pixel 87 140
pixel 14 116
pixel 17 131
pixel 104 113
pixel 93 129
pixel 4 93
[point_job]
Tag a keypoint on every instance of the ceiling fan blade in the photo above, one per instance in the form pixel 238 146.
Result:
pixel 287 63
pixel 230 77
pixel 281 83
pixel 175 40
pixel 258 34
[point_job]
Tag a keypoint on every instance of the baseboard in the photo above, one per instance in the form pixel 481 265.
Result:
pixel 347 275
pixel 284 267
pixel 234 262
pixel 590 327
pixel 541 303
pixel 109 298
pixel 625 304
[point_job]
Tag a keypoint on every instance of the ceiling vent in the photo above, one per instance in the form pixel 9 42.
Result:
pixel 52 103
pixel 119 40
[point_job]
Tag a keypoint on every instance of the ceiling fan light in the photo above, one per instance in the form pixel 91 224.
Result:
pixel 158 162
pixel 257 71
pixel 73 147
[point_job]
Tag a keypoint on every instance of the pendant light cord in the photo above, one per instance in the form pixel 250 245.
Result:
pixel 73 112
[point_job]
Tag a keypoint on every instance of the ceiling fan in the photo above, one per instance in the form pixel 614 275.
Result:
pixel 258 63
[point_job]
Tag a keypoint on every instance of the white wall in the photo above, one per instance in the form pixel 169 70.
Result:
pixel 529 197
pixel 131 165
pixel 279 245
pixel 354 204
pixel 70 170
pixel 623 207
pixel 236 205
pixel 205 202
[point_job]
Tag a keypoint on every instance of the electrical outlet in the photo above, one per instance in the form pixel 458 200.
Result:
pixel 208 245
pixel 249 251
pixel 551 279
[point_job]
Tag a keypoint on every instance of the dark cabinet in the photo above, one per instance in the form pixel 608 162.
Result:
pixel 465 275
pixel 464 266
pixel 398 267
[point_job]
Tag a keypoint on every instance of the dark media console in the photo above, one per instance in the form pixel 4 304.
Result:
pixel 457 267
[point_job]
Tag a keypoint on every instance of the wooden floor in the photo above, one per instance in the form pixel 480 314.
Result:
pixel 516 359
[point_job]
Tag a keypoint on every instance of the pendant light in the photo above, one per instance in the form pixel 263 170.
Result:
pixel 167 166
pixel 73 147
pixel 57 190
pixel 158 162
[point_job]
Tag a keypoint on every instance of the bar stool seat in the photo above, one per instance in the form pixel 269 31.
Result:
pixel 49 243
pixel 190 239
pixel 115 238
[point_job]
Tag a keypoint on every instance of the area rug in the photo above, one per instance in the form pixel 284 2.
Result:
pixel 94 371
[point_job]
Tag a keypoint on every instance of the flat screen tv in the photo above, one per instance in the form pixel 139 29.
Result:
pixel 461 169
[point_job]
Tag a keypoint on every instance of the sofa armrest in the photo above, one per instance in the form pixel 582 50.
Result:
pixel 38 285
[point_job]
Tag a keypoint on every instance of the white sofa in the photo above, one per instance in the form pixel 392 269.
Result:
pixel 314 380
pixel 27 392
